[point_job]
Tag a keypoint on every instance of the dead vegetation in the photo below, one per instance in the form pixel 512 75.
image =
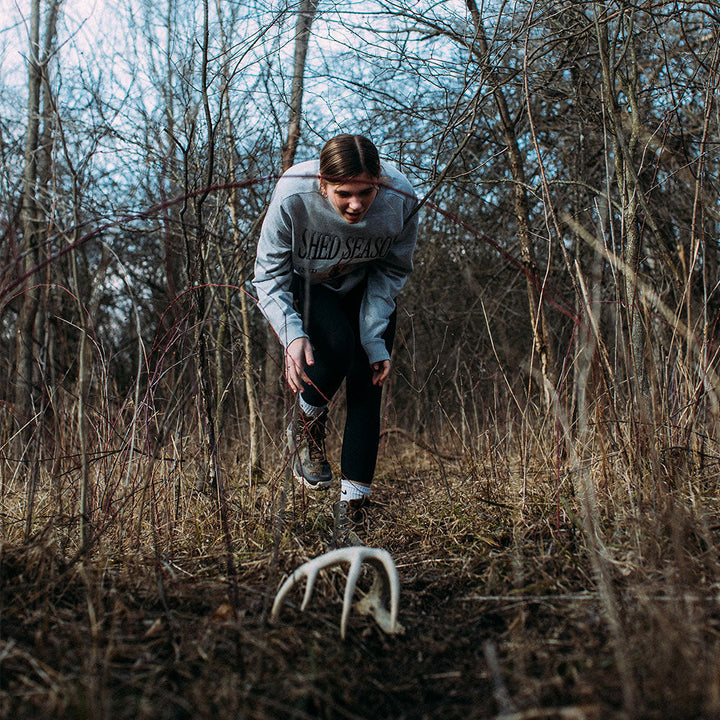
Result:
pixel 506 615
pixel 549 474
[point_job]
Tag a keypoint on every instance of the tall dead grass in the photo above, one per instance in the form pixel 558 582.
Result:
pixel 545 574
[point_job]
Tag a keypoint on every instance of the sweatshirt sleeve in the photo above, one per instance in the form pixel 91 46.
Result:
pixel 385 280
pixel 273 274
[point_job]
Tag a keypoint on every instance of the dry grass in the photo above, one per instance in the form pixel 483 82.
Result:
pixel 500 596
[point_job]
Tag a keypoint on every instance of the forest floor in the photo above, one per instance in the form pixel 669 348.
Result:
pixel 502 609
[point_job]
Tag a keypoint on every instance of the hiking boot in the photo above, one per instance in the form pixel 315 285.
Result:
pixel 349 516
pixel 306 442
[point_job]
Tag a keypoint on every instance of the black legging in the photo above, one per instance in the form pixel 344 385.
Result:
pixel 332 323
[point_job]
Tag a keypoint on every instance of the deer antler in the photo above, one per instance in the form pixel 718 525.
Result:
pixel 386 582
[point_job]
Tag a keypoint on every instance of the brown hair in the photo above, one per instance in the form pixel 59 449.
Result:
pixel 347 156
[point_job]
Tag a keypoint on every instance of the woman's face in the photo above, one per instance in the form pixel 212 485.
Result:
pixel 353 198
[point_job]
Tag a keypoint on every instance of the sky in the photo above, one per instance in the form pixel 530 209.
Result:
pixel 106 52
pixel 84 26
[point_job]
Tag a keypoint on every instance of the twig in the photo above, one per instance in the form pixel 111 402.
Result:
pixel 500 691
pixel 419 443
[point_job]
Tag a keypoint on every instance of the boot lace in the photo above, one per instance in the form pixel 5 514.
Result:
pixel 316 438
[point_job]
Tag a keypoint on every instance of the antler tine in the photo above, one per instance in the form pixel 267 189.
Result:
pixel 379 560
pixel 390 581
pixel 309 570
pixel 311 574
pixel 385 583
pixel 352 578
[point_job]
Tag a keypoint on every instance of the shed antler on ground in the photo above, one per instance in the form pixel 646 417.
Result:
pixel 386 583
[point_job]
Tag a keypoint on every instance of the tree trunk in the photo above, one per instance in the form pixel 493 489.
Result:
pixel 541 337
pixel 206 401
pixel 254 462
pixel 30 324
pixel 254 465
pixel 274 358
pixel 630 192
pixel 306 14
pixel 25 340
pixel 174 266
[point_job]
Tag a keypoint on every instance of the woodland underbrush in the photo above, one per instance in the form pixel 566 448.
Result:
pixel 537 582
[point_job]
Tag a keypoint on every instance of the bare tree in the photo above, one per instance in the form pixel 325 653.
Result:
pixel 306 13
pixel 31 321
pixel 27 340
pixel 254 463
pixel 538 319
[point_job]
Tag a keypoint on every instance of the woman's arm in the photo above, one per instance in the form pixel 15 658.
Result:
pixel 385 280
pixel 273 275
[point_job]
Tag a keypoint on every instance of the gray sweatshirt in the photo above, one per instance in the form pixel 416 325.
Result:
pixel 303 234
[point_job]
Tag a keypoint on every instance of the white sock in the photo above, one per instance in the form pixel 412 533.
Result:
pixel 311 410
pixel 350 490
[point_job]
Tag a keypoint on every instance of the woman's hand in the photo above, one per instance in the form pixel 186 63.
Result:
pixel 298 356
pixel 381 370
